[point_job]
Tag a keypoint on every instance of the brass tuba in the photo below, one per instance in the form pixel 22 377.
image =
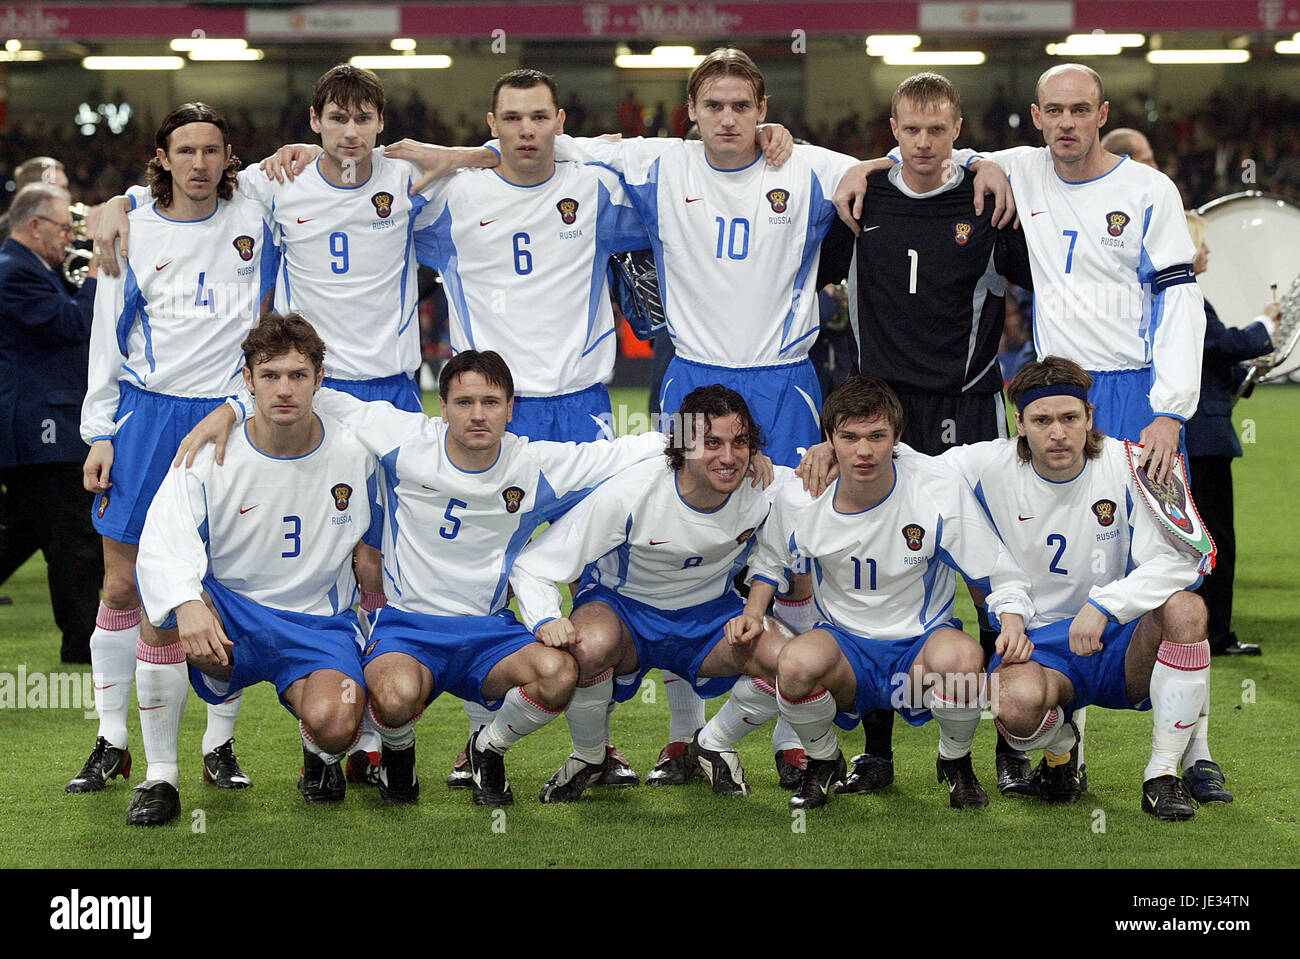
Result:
pixel 78 254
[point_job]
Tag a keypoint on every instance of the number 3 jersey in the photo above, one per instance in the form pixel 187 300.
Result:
pixel 525 269
pixel 1089 539
pixel 279 532
pixel 887 572
pixel 172 321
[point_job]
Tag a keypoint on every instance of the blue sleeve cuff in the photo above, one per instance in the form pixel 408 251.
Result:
pixel 764 579
pixel 1108 614
pixel 548 619
pixel 106 436
pixel 1173 416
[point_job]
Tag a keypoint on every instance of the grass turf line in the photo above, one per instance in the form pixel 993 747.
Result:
pixel 909 825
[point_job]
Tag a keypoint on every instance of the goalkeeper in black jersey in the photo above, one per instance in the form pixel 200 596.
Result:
pixel 927 280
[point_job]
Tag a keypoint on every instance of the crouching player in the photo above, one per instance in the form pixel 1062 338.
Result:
pixel 661 544
pixel 1113 624
pixel 247 570
pixel 884 543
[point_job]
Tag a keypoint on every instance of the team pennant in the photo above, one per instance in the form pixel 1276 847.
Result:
pixel 1171 503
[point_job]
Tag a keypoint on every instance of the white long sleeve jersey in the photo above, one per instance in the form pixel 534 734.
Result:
pixel 1113 282
pixel 642 540
pixel 450 536
pixel 737 250
pixel 279 532
pixel 1089 539
pixel 172 320
pixel 888 572
pixel 525 269
pixel 348 262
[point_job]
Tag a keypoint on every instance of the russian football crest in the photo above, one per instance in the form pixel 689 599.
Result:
pixel 341 492
pixel 913 535
pixel 1115 222
pixel 568 208
pixel 513 496
pixel 961 231
pixel 779 199
pixel 244 244
pixel 1104 510
pixel 383 203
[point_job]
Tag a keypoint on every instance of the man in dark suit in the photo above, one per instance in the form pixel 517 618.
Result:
pixel 44 334
pixel 1212 444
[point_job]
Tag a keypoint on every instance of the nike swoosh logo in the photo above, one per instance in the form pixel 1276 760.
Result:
pixel 694 199
pixel 147 708
pixel 254 506
pixel 164 266
pixel 815 738
pixel 308 220
pixel 868 229
pixel 745 719
pixel 1181 726
pixel 657 542
pixel 486 222
pixel 513 730
pixel 1023 518
pixel 1038 213
pixel 429 488
pixel 109 686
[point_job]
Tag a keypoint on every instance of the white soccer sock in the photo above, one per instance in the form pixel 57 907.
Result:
pixel 221 722
pixel 161 687
pixel 517 717
pixel 957 724
pixel 394 737
pixel 800 615
pixel 1179 684
pixel 685 708
pixel 812 719
pixel 609 708
pixel 1044 737
pixel 369 740
pixel 1198 747
pixel 752 703
pixel 311 746
pixel 479 715
pixel 784 737
pixel 112 665
pixel 588 716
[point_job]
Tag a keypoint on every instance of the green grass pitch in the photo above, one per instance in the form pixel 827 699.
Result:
pixel 1255 721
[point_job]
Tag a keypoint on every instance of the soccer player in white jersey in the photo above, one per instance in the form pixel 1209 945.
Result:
pixel 345 226
pixel 1113 622
pixel 884 542
pixel 658 547
pixel 1114 288
pixel 164 351
pixel 246 568
pixel 462 498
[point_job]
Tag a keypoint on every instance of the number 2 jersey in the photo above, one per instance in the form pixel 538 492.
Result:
pixel 1087 540
pixel 888 572
pixel 643 541
pixel 279 532
pixel 525 268
pixel 172 321
pixel 736 250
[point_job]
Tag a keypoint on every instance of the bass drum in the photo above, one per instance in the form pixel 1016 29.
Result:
pixel 1254 241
